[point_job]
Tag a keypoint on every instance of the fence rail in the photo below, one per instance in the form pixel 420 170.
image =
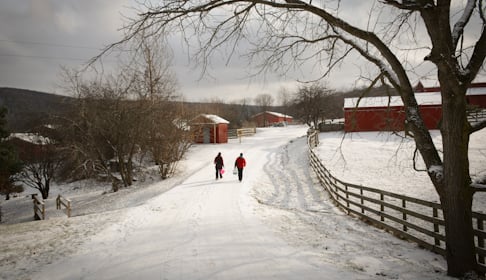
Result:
pixel 475 116
pixel 62 201
pixel 39 208
pixel 242 132
pixel 409 218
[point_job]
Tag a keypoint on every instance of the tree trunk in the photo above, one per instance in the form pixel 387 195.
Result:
pixel 42 189
pixel 45 194
pixel 455 193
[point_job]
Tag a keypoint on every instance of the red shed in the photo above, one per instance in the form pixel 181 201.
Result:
pixel 268 118
pixel 388 113
pixel 208 128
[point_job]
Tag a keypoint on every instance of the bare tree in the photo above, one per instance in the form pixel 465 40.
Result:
pixel 126 115
pixel 41 163
pixel 101 130
pixel 264 101
pixel 291 33
pixel 311 104
pixel 166 136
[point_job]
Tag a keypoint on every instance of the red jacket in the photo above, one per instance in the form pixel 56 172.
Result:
pixel 240 162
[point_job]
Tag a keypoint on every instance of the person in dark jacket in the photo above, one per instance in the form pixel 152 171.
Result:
pixel 219 164
pixel 240 163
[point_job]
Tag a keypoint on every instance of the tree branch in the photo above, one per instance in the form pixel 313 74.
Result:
pixel 458 29
pixel 478 187
pixel 410 5
pixel 477 127
pixel 478 56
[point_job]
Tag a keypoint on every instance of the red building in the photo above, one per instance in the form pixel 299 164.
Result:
pixel 388 113
pixel 475 95
pixel 209 129
pixel 30 146
pixel 268 118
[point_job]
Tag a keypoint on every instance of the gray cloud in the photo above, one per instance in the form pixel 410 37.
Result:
pixel 38 36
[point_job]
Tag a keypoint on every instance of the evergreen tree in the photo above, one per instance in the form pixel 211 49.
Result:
pixel 9 160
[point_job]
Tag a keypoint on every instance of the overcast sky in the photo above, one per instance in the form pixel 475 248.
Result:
pixel 39 36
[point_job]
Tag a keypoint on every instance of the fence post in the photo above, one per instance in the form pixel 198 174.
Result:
pixel 435 214
pixel 69 208
pixel 404 215
pixel 39 206
pixel 362 201
pixel 336 188
pixel 480 239
pixel 347 198
pixel 382 207
pixel 62 201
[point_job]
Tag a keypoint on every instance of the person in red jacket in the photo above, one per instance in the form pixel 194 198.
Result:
pixel 240 163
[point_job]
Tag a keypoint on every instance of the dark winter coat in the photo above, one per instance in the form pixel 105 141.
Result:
pixel 218 161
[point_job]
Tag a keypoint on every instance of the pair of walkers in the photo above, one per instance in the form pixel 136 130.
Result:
pixel 240 163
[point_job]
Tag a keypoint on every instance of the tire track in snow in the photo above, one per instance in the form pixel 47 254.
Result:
pixel 292 185
pixel 307 217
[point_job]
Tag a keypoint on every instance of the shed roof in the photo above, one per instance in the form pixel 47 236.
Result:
pixel 213 118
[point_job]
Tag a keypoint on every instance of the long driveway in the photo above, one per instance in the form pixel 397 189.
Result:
pixel 276 224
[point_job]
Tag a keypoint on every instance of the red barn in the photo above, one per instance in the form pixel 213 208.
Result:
pixel 475 94
pixel 268 118
pixel 209 129
pixel 387 113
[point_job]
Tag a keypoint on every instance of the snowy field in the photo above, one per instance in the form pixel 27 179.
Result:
pixel 384 161
pixel 276 224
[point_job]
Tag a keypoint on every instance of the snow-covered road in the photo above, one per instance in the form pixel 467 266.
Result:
pixel 276 224
pixel 201 229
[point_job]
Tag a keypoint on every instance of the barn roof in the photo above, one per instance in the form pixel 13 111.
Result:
pixel 275 114
pixel 429 98
pixel 476 91
pixel 427 95
pixel 31 138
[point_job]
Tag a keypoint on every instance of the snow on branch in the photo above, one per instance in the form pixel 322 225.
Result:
pixel 384 68
pixel 478 187
pixel 478 126
pixel 436 172
pixel 410 5
pixel 458 29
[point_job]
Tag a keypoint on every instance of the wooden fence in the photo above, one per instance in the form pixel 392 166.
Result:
pixel 62 201
pixel 39 208
pixel 242 132
pixel 409 218
pixel 475 116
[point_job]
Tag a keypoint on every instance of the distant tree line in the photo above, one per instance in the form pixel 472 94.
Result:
pixel 112 124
